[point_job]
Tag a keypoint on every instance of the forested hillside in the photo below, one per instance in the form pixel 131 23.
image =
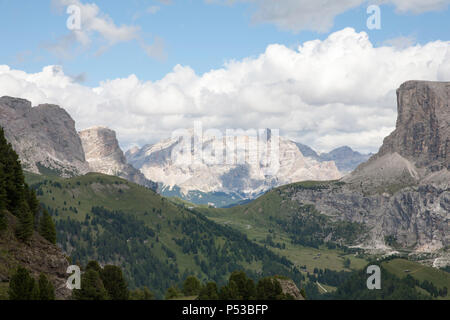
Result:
pixel 156 242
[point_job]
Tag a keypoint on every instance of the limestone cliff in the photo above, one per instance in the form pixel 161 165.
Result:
pixel 44 137
pixel 104 155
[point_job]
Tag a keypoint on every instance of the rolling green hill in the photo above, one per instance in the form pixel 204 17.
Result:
pixel 156 242
pixel 402 268
pixel 299 232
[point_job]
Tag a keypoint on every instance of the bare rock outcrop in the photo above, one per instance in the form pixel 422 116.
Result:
pixel 419 148
pixel 104 155
pixel 44 137
pixel 38 256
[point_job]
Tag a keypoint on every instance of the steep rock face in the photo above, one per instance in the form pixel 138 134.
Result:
pixel 247 178
pixel 403 191
pixel 38 256
pixel 420 145
pixel 416 218
pixel 422 133
pixel 104 155
pixel 44 137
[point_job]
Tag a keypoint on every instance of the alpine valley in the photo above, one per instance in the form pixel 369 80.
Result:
pixel 316 223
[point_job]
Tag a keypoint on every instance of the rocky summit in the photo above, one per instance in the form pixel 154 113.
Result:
pixel 418 151
pixel 104 155
pixel 44 137
pixel 402 193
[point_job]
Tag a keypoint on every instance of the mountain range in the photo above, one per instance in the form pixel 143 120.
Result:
pixel 47 142
pixel 401 192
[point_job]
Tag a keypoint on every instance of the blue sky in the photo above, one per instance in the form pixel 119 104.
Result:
pixel 195 33
pixel 312 69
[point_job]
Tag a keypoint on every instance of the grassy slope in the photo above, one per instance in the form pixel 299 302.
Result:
pixel 256 220
pixel 420 272
pixel 117 194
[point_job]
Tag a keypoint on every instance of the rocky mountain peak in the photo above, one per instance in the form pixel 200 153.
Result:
pixel 422 133
pixel 44 137
pixel 104 155
pixel 420 144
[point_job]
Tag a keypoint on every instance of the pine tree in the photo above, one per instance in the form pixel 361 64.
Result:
pixel 191 286
pixel 46 289
pixel 22 286
pixel 91 287
pixel 2 199
pixel 25 226
pixel 209 292
pixel 47 227
pixel 33 205
pixel 114 283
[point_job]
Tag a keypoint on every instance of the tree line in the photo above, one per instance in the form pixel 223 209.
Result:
pixel 239 287
pixel 20 200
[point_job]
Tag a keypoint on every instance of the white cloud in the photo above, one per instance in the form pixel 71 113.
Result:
pixel 325 93
pixel 319 15
pixel 96 27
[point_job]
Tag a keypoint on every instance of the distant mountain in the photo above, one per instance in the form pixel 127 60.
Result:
pixel 345 158
pixel 246 179
pixel 44 137
pixel 104 155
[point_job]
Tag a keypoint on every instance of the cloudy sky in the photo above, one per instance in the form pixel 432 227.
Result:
pixel 313 69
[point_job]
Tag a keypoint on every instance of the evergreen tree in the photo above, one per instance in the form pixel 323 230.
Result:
pixel 114 283
pixel 47 227
pixel 2 199
pixel 191 286
pixel 269 289
pixel 33 205
pixel 93 265
pixel 172 293
pixel 22 286
pixel 91 287
pixel 25 226
pixel 239 287
pixel 209 292
pixel 142 294
pixel 46 289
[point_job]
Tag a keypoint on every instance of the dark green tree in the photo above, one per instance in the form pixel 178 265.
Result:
pixel 142 294
pixel 269 289
pixel 209 292
pixel 25 225
pixel 22 286
pixel 115 283
pixel 94 266
pixel 2 199
pixel 240 287
pixel 47 227
pixel 172 293
pixel 91 287
pixel 46 289
pixel 191 286
pixel 33 205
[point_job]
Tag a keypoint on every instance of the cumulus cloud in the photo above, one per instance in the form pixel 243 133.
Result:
pixel 319 15
pixel 326 93
pixel 97 27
